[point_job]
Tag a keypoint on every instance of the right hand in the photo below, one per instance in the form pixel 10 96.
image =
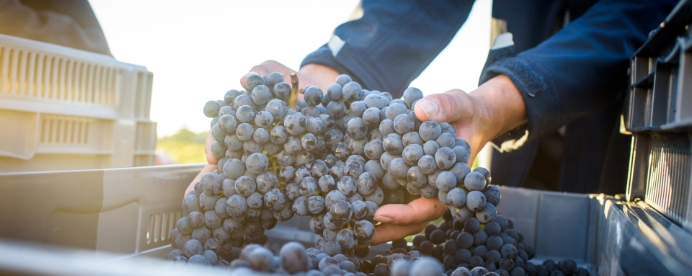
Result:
pixel 310 74
pixel 494 108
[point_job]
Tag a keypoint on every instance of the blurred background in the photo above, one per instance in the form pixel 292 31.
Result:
pixel 198 50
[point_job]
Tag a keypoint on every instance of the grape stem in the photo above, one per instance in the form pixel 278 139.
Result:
pixel 294 90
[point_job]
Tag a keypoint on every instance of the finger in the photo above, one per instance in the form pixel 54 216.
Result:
pixel 417 211
pixel 447 107
pixel 275 66
pixel 211 159
pixel 389 232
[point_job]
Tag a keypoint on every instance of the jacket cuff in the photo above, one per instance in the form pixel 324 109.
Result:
pixel 536 90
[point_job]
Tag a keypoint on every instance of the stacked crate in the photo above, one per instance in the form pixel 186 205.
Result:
pixel 660 118
pixel 62 108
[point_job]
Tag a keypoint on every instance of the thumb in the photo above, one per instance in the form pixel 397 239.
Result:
pixel 447 107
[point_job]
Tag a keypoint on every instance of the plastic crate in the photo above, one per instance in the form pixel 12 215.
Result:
pixel 659 114
pixel 62 108
pixel 129 212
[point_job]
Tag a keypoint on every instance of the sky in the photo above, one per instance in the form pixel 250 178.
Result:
pixel 199 49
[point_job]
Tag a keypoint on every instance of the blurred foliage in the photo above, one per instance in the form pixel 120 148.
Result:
pixel 183 147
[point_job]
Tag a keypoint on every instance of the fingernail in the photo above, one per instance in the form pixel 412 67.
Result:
pixel 383 219
pixel 429 107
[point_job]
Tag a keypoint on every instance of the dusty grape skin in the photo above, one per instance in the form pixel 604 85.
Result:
pixel 475 201
pixel 445 158
pixel 347 185
pixel 411 154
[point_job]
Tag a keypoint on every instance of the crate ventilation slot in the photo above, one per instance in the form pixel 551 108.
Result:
pixel 669 175
pixel 160 226
pixel 34 75
pixel 64 131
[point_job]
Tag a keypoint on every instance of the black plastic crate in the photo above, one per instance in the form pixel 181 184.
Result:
pixel 659 115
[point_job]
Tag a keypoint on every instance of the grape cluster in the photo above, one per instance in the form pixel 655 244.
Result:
pixel 470 248
pixel 336 157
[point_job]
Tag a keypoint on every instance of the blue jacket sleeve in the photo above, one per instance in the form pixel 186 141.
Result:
pixel 392 43
pixel 583 67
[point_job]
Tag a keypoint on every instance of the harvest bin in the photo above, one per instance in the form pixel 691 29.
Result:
pixel 127 213
pixel 62 108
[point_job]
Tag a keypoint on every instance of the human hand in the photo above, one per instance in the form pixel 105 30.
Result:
pixel 209 167
pixel 310 74
pixel 494 108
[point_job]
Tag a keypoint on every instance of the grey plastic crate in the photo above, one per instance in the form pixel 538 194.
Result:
pixel 116 222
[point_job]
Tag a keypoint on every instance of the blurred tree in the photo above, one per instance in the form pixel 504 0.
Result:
pixel 184 146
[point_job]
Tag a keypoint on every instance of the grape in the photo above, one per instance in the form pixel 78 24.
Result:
pixel 487 214
pixel 261 95
pixel 253 80
pixel 308 186
pixel 446 140
pixel 312 95
pixel 336 109
pixel 411 138
pixel 300 206
pixel 367 183
pixel 294 258
pixel 475 201
pixel 357 129
pixel 346 239
pixel 282 90
pixel 347 185
pixel 395 109
pixel 430 147
pixel 416 177
pixel 427 164
pixel 274 199
pixel 426 266
pixel 445 158
pixel 231 95
pixel 207 202
pixel 474 181
pixel 244 132
pixel 386 127
pixel 218 149
pixel 403 124
pixel 261 259
pixel 411 154
pixel 398 168
pixel 456 197
pixel 211 109
pixel 352 91
pixel 241 100
pixel 295 123
pixel 446 181
pixel 376 197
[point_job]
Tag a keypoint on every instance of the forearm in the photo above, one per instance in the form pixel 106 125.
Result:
pixel 582 68
pixel 392 44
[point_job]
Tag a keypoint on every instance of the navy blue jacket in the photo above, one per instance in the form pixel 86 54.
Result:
pixel 563 76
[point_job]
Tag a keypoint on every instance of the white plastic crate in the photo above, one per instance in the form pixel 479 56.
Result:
pixel 62 108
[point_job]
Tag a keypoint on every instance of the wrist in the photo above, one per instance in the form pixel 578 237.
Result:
pixel 318 75
pixel 501 106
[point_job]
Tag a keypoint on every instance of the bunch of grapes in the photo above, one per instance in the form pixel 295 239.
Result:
pixel 469 248
pixel 337 156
